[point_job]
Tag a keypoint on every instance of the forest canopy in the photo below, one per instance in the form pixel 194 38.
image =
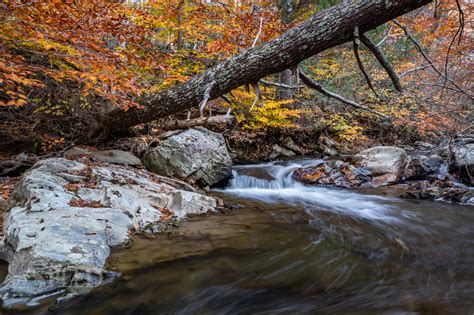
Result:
pixel 71 61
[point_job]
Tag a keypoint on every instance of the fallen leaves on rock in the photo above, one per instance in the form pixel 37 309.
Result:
pixel 81 203
pixel 167 214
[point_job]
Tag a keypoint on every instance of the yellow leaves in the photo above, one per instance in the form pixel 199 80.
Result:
pixel 50 143
pixel 345 129
pixel 325 68
pixel 272 114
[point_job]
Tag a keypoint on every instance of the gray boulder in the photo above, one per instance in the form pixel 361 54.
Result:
pixel 464 161
pixel 420 167
pixel 387 162
pixel 197 155
pixel 64 217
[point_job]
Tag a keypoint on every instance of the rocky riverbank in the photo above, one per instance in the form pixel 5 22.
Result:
pixel 426 174
pixel 66 214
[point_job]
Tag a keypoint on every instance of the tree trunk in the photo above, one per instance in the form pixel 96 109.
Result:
pixel 283 93
pixel 326 29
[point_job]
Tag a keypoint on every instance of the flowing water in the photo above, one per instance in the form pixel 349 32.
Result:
pixel 287 248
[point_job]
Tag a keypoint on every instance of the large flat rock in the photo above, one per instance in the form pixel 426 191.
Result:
pixel 64 217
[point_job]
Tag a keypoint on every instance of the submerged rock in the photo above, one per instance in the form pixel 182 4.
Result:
pixel 64 217
pixel 196 155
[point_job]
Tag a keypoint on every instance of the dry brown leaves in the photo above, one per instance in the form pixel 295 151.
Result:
pixel 81 203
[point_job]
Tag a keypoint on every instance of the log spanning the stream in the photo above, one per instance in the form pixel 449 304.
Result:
pixel 324 30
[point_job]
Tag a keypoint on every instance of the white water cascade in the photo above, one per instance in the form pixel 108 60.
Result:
pixel 273 183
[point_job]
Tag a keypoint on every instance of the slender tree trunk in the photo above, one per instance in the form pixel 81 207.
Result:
pixel 286 78
pixel 326 29
pixel 180 41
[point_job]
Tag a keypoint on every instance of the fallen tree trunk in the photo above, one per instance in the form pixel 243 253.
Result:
pixel 326 29
pixel 204 121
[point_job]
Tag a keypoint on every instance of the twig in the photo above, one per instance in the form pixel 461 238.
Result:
pixel 413 70
pixel 385 37
pixel 207 95
pixel 281 85
pixel 258 96
pixel 383 62
pixel 316 86
pixel 259 33
pixel 359 61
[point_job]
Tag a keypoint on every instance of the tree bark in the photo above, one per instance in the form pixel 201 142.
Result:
pixel 283 93
pixel 383 62
pixel 326 29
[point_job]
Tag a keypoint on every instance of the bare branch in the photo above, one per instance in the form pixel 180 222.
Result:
pixel 316 86
pixel 385 37
pixel 383 62
pixel 413 70
pixel 258 96
pixel 207 95
pixel 359 61
pixel 259 33
pixel 418 47
pixel 281 85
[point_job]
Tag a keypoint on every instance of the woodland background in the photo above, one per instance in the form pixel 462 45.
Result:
pixel 62 63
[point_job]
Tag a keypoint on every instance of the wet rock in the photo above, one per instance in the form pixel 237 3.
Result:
pixel 415 169
pixel 64 217
pixel 337 174
pixel 289 144
pixel 279 151
pixel 440 190
pixel 385 179
pixel 384 160
pixel 464 162
pixel 196 155
pixel 433 163
pixel 330 152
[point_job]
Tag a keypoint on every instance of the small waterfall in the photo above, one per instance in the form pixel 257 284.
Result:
pixel 273 183
pixel 277 176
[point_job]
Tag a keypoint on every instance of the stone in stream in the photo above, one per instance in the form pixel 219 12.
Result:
pixel 64 217
pixel 388 162
pixel 197 155
pixel 334 173
pixel 440 190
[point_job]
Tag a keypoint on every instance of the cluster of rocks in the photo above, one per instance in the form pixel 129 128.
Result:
pixel 433 173
pixel 65 214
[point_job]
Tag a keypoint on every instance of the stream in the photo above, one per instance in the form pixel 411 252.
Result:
pixel 287 248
